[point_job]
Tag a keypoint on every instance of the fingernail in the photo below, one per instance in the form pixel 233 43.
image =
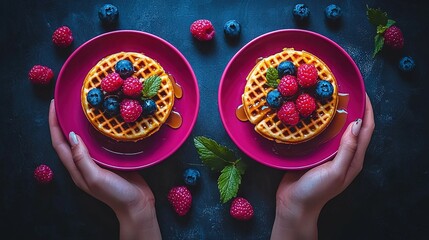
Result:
pixel 73 139
pixel 356 127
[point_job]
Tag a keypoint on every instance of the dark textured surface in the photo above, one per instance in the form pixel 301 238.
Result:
pixel 388 200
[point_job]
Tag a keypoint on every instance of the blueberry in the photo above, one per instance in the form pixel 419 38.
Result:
pixel 232 29
pixel 274 99
pixel 149 107
pixel 286 68
pixel 108 14
pixel 333 12
pixel 191 176
pixel 95 97
pixel 407 64
pixel 124 68
pixel 111 105
pixel 301 11
pixel 324 89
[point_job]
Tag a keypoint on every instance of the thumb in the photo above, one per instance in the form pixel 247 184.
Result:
pixel 81 157
pixel 348 146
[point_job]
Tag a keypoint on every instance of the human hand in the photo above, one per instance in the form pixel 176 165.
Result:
pixel 301 195
pixel 125 192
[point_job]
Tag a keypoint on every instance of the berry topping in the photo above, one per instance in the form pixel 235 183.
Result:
pixel 62 37
pixel 307 75
pixel 305 104
pixel 108 14
pixel 132 87
pixel 43 174
pixel 130 110
pixel 202 30
pixel 232 29
pixel 301 12
pixel 286 68
pixel 393 37
pixel 241 209
pixel 39 74
pixel 111 83
pixel 95 97
pixel 333 12
pixel 324 89
pixel 288 86
pixel 191 176
pixel 407 64
pixel 148 107
pixel 180 199
pixel 288 114
pixel 111 105
pixel 274 99
pixel 124 68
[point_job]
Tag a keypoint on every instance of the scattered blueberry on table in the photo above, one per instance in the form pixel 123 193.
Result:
pixel 108 14
pixel 232 29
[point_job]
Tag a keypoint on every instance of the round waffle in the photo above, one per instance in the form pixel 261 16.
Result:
pixel 114 127
pixel 265 119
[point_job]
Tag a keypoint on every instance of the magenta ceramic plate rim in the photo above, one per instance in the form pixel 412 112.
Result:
pixel 232 132
pixel 123 162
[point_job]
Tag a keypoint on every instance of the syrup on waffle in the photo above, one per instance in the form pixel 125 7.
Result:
pixel 265 119
pixel 114 127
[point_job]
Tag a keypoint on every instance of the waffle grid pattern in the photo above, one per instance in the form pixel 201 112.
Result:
pixel 115 127
pixel 265 119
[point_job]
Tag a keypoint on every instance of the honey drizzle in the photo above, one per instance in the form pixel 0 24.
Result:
pixel 240 114
pixel 174 120
pixel 178 92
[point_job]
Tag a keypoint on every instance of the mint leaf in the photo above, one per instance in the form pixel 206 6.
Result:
pixel 376 17
pixel 390 22
pixel 379 42
pixel 212 154
pixel 241 166
pixel 151 86
pixel 228 183
pixel 381 29
pixel 272 76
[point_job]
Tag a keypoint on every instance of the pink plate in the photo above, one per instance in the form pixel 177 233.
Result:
pixel 120 155
pixel 282 156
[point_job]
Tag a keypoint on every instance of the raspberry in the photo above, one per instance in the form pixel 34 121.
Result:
pixel 393 37
pixel 288 114
pixel 202 30
pixel 241 209
pixel 130 110
pixel 62 37
pixel 288 86
pixel 43 174
pixel 305 104
pixel 132 87
pixel 180 199
pixel 40 75
pixel 111 83
pixel 307 75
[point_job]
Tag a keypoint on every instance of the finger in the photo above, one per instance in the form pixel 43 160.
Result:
pixel 62 147
pixel 347 149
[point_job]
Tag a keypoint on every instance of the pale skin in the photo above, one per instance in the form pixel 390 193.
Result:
pixel 300 198
pixel 125 192
pixel 301 195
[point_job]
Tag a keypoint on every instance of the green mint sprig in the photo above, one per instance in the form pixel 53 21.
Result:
pixel 272 76
pixel 220 158
pixel 379 19
pixel 151 86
